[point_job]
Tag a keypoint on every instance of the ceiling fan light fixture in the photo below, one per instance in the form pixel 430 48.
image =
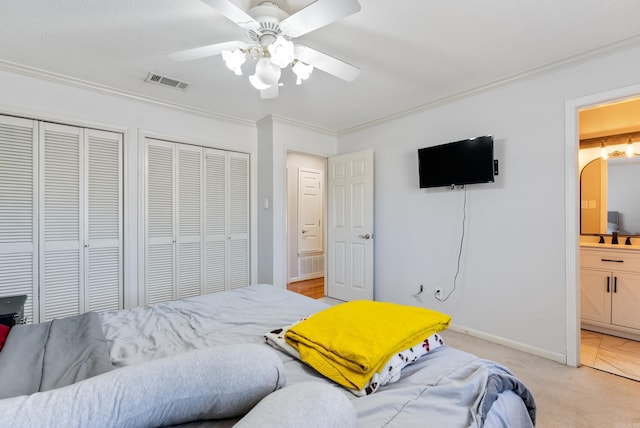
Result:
pixel 302 71
pixel 234 60
pixel 269 31
pixel 281 52
pixel 267 74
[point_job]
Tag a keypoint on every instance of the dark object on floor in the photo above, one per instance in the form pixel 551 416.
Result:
pixel 12 310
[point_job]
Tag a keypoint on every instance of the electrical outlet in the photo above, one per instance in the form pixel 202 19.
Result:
pixel 420 290
pixel 438 292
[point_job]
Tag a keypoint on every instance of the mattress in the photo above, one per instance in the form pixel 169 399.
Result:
pixel 447 387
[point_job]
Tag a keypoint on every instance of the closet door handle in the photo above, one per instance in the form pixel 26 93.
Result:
pixel 612 260
pixel 608 284
pixel 615 284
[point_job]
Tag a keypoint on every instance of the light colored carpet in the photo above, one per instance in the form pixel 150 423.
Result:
pixel 566 396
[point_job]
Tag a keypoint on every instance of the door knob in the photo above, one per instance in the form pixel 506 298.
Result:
pixel 304 231
pixel 367 236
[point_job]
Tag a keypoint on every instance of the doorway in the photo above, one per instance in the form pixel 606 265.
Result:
pixel 611 124
pixel 306 202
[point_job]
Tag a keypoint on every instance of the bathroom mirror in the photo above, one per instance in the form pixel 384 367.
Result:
pixel 610 196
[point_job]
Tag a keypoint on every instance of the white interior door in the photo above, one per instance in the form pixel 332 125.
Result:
pixel 61 222
pixel 216 246
pixel 310 211
pixel 189 221
pixel 19 211
pixel 159 269
pixel 103 225
pixel 238 219
pixel 350 226
pixel 226 220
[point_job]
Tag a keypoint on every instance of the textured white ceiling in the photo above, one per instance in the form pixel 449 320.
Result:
pixel 411 52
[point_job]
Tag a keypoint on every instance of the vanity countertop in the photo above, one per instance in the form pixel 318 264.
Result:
pixel 609 246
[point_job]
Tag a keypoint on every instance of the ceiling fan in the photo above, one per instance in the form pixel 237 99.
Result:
pixel 269 31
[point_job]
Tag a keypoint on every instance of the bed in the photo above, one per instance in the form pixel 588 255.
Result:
pixel 444 387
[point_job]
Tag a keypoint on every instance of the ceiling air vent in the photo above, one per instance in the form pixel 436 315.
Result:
pixel 167 81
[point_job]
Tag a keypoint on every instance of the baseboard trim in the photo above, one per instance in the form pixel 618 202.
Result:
pixel 306 277
pixel 554 356
pixel 627 333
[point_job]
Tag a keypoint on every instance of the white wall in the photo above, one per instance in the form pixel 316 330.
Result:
pixel 512 273
pixel 48 100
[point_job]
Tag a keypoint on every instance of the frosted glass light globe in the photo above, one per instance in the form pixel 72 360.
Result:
pixel 266 73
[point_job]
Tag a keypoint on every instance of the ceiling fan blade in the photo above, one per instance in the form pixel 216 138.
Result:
pixel 205 51
pixel 317 15
pixel 234 13
pixel 269 93
pixel 326 63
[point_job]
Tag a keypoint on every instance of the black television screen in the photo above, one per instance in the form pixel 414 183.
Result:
pixel 461 162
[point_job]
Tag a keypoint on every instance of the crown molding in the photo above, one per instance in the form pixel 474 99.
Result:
pixel 555 65
pixel 103 89
pixel 315 128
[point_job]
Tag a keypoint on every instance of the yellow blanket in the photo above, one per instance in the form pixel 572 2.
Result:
pixel 350 342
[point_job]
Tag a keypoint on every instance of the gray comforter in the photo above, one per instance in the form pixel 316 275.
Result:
pixel 446 387
pixel 40 357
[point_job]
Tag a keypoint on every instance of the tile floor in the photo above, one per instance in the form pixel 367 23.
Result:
pixel 610 354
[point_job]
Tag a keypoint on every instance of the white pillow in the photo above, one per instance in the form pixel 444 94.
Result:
pixel 211 383
pixel 306 404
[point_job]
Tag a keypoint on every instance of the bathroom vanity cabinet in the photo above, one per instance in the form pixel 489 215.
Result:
pixel 610 290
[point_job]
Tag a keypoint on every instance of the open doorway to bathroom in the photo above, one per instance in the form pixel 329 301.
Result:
pixel 306 201
pixel 609 179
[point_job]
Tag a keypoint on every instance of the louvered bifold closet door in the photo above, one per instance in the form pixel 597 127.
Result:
pixel 189 221
pixel 18 211
pixel 159 221
pixel 216 242
pixel 103 242
pixel 61 264
pixel 238 219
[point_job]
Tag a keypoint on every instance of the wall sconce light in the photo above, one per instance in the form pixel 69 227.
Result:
pixel 628 151
pixel 603 151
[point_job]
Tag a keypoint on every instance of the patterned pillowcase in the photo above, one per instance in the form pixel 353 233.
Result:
pixel 388 374
pixel 391 371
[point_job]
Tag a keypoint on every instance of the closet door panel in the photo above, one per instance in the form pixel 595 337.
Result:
pixel 103 277
pixel 238 267
pixel 189 221
pixel 159 234
pixel 202 208
pixel 19 210
pixel 61 267
pixel 238 222
pixel 215 221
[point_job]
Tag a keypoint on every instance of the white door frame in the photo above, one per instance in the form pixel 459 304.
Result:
pixel 572 219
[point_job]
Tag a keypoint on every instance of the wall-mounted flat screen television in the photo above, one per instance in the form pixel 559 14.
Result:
pixel 461 162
